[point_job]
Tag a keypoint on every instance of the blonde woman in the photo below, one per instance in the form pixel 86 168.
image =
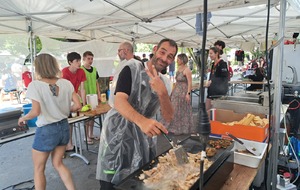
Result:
pixel 182 122
pixel 52 100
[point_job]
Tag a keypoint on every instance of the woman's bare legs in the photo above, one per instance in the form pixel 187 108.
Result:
pixel 70 145
pixel 64 172
pixel 39 162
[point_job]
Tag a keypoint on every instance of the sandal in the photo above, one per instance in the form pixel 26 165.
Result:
pixel 89 141
pixel 72 150
pixel 95 138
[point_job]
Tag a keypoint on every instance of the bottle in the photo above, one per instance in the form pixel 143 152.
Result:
pixel 103 98
pixel 107 94
pixel 110 84
pixel 275 38
pixel 296 94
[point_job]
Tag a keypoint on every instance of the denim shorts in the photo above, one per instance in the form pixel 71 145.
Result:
pixel 52 135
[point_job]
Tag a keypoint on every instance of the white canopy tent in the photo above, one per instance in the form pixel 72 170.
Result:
pixel 240 23
pixel 233 21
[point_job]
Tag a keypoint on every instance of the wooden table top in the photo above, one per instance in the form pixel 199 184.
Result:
pixel 100 109
pixel 240 178
pixel 77 119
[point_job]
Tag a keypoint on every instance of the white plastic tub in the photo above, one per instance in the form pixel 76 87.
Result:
pixel 248 159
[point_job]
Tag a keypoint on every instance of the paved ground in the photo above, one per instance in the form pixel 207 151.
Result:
pixel 16 166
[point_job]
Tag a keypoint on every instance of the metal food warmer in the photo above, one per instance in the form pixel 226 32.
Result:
pixel 9 122
pixel 250 102
pixel 214 177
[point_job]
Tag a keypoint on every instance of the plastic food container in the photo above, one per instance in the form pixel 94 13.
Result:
pixel 248 159
pixel 255 133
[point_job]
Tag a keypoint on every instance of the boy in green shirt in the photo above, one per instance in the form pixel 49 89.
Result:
pixel 91 86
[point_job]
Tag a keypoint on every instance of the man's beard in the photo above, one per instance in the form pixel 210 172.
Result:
pixel 157 66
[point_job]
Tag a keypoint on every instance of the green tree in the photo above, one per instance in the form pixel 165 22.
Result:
pixel 140 47
pixel 39 45
pixel 12 45
pixel 257 53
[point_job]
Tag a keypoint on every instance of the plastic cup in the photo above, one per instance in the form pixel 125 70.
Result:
pixel 74 114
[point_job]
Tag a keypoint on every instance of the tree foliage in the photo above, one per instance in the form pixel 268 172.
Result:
pixel 13 45
pixel 256 53
pixel 38 44
pixel 143 47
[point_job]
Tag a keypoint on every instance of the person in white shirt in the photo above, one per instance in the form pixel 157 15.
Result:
pixel 53 98
pixel 125 53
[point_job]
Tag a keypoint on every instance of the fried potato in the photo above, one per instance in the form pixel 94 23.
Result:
pixel 266 121
pixel 252 123
pixel 250 119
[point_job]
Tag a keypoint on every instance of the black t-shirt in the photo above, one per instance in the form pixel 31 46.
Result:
pixel 124 81
pixel 240 55
pixel 257 77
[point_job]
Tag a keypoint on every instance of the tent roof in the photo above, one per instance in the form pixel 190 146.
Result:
pixel 147 21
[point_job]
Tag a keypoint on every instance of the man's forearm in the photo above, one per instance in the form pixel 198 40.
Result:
pixel 166 106
pixel 82 94
pixel 126 110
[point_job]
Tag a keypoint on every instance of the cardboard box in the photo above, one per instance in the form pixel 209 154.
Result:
pixel 248 159
pixel 220 116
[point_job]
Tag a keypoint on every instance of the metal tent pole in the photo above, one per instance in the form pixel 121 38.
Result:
pixel 30 42
pixel 34 46
pixel 275 120
pixel 203 128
